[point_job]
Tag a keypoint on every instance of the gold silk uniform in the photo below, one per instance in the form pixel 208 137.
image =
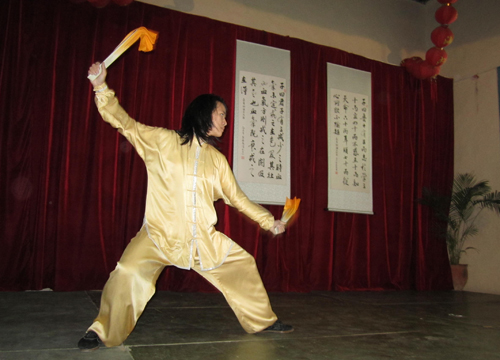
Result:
pixel 179 229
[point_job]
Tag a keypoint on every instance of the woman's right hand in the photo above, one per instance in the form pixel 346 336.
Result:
pixel 94 70
pixel 278 227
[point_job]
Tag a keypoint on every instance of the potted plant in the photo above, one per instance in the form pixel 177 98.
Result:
pixel 459 212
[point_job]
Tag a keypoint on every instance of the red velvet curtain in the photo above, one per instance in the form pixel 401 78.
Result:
pixel 73 190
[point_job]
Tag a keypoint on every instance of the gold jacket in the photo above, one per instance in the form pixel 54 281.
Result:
pixel 183 183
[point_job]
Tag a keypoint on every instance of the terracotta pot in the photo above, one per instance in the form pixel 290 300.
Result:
pixel 459 276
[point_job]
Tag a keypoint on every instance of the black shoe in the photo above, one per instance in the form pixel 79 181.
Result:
pixel 89 342
pixel 279 327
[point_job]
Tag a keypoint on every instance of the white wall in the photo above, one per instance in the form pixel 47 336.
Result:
pixel 473 58
pixel 389 31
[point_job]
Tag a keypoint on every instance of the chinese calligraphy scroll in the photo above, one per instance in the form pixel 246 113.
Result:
pixel 262 131
pixel 349 140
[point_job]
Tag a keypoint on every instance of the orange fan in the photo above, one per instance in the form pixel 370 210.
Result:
pixel 147 37
pixel 291 206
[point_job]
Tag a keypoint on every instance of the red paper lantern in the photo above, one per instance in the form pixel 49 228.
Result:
pixel 442 36
pixel 99 3
pixel 436 56
pixel 446 15
pixel 123 2
pixel 425 71
pixel 420 68
pixel 411 63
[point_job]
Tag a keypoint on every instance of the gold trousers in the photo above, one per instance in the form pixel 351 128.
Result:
pixel 132 284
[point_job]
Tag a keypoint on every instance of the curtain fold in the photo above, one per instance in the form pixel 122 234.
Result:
pixel 73 189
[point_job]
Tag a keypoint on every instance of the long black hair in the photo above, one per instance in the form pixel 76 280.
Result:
pixel 197 119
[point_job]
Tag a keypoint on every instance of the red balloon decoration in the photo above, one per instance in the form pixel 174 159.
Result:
pixel 436 56
pixel 446 15
pixel 442 36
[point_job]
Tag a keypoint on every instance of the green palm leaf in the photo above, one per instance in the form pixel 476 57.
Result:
pixel 468 198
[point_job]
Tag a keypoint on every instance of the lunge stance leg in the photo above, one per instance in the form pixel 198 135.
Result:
pixel 239 281
pixel 129 288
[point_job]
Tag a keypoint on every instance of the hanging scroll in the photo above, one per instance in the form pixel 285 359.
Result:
pixel 262 122
pixel 349 140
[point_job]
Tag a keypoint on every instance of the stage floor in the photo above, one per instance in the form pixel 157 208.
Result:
pixel 328 325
